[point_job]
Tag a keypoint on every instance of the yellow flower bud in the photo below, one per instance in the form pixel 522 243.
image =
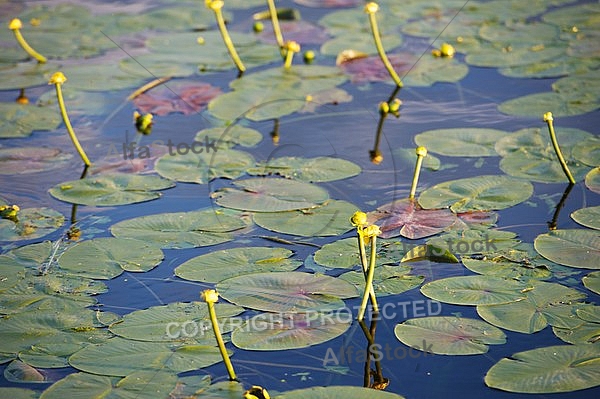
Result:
pixel 447 50
pixel 15 24
pixel 359 218
pixel 57 78
pixel 421 151
pixel 548 117
pixel 210 296
pixel 371 7
pixel 372 230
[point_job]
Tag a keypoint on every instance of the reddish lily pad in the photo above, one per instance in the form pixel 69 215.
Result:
pixel 405 217
pixel 24 160
pixel 371 69
pixel 187 97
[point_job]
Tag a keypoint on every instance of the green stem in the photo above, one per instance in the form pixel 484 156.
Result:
pixel 369 282
pixel 219 338
pixel 227 40
pixel 363 260
pixel 559 154
pixel 275 22
pixel 63 112
pixel 40 58
pixel 381 51
pixel 289 56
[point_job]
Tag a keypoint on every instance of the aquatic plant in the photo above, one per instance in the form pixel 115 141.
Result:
pixel 211 297
pixel 216 6
pixel 371 9
pixel 548 118
pixel 421 153
pixel 365 232
pixel 291 48
pixel 275 22
pixel 57 79
pixel 15 25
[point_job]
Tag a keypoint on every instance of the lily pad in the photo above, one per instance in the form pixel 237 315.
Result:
pixel 592 282
pixel 372 69
pixel 271 195
pixel 475 290
pixel 202 167
pixel 560 368
pixel 572 247
pixel 287 292
pixel 25 160
pixel 25 74
pixel 430 70
pixel 111 189
pixel 230 136
pixel 508 263
pixel 592 180
pixel 588 151
pixel 121 357
pixel 106 258
pixel 312 170
pixel 220 265
pixel 461 142
pixel 588 217
pixel 388 280
pixel 338 392
pixel 407 157
pixel 17 371
pixel 405 217
pixel 20 120
pixel 31 223
pixel 181 229
pixel 492 192
pixel 183 96
pixel 561 104
pixel 329 219
pixel 546 303
pixel 18 393
pixel 281 331
pixel 149 384
pixel 447 335
pixel 343 254
pixel 474 241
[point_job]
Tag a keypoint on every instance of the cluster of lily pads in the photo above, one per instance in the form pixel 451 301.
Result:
pixel 48 289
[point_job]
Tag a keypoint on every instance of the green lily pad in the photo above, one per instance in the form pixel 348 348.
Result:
pixel 552 68
pixel 461 142
pixel 500 55
pixel 312 170
pixel 273 93
pixel 405 217
pixel 51 355
pixel 230 136
pixel 473 241
pixel 25 160
pixel 220 265
pixel 560 368
pixel 343 254
pixel 271 195
pixel 338 392
pixel 388 280
pixel 31 223
pixel 329 219
pixel 203 167
pixel 106 258
pixel 430 70
pixel 477 193
pixel 588 151
pixel 592 282
pixel 407 157
pixel 287 292
pixel 111 189
pixel 148 384
pixel 281 331
pixel 20 120
pixel 25 74
pixel 475 290
pixel 588 217
pixel 546 304
pixel 508 263
pixel 121 357
pixel 561 104
pixel 446 335
pixel 592 180
pixel 181 229
pixel 12 272
pixel 587 333
pixel 18 393
pixel 176 321
pixel 571 247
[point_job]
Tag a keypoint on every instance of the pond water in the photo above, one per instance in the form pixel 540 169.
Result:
pixel 478 90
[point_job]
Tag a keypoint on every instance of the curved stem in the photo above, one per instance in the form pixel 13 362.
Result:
pixel 559 154
pixel 40 58
pixel 369 282
pixel 227 40
pixel 381 51
pixel 363 260
pixel 219 338
pixel 63 112
pixel 275 22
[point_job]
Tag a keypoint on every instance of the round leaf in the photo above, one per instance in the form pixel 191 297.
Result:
pixel 475 290
pixel 461 142
pixel 320 169
pixel 588 217
pixel 576 248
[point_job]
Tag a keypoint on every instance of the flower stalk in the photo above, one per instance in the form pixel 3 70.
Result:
pixel 548 118
pixel 421 153
pixel 211 297
pixel 371 9
pixel 291 48
pixel 57 79
pixel 15 25
pixel 370 232
pixel 275 23
pixel 216 6
pixel 364 232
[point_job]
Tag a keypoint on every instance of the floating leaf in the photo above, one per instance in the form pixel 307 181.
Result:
pixel 338 392
pixel 178 321
pixel 546 303
pixel 446 335
pixel 230 136
pixel 320 169
pixel 592 282
pixel 31 223
pixel 20 120
pixel 184 96
pixel 372 69
pixel 508 263
pixel 220 265
pixel 406 217
pixel 106 258
pixel 25 74
pixel 18 393
pixel 181 229
pixel 477 193
pixel 429 70
pixel 110 190
pixel 560 368
pixel 281 331
pixel 388 280
pixel 572 247
pixel 25 160
pixel 343 253
pixel 121 357
pixel 407 156
pixel 461 142
pixel 592 180
pixel 330 218
pixel 587 151
pixel 286 291
pixel 474 241
pixel 271 195
pixel 475 290
pixel 203 166
pixel 588 217
pixel 561 104
pixel 20 372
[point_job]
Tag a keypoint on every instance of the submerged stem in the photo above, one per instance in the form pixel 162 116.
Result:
pixel 548 118
pixel 372 8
